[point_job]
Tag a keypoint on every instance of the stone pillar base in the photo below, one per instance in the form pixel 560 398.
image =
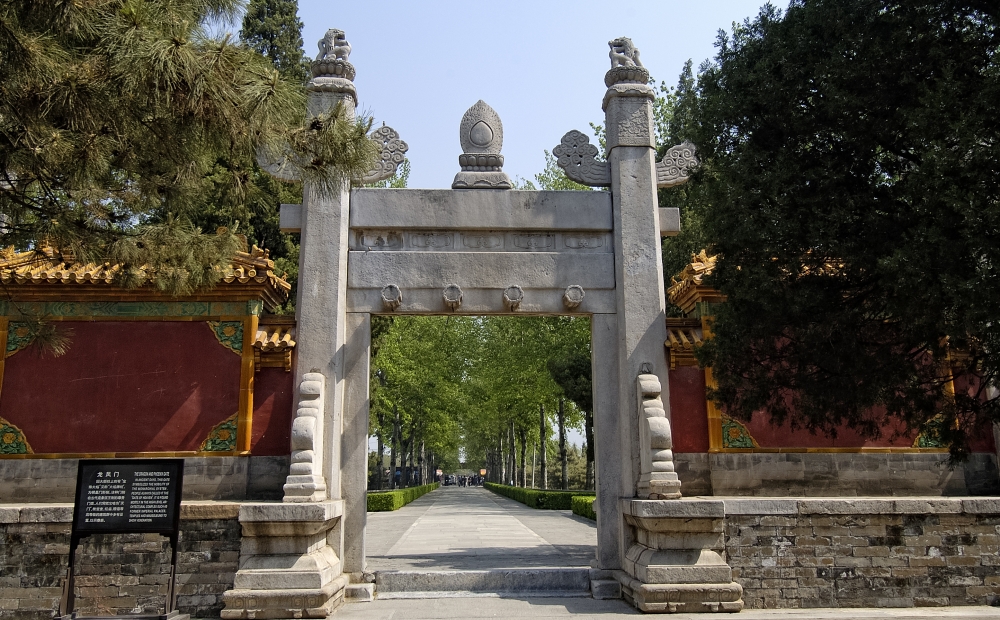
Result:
pixel 284 604
pixel 290 563
pixel 683 597
pixel 677 563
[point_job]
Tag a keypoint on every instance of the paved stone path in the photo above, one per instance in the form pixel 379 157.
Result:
pixel 463 528
pixel 589 609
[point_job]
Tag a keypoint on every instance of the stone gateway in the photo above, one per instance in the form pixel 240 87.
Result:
pixel 484 248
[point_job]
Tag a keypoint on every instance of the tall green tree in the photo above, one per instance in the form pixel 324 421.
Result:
pixel 855 203
pixel 273 28
pixel 114 116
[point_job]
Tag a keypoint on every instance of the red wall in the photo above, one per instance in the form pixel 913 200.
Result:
pixel 688 414
pixel 689 422
pixel 272 412
pixel 123 387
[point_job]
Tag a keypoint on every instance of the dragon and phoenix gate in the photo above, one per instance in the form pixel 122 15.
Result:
pixel 482 248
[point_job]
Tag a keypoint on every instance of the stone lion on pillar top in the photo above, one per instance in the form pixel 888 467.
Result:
pixel 624 53
pixel 334 45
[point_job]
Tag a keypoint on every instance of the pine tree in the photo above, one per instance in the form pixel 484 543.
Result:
pixel 114 118
pixel 273 28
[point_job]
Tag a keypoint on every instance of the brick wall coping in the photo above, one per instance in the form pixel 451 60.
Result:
pixel 63 513
pixel 860 505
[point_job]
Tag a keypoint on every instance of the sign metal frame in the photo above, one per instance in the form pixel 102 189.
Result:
pixel 168 525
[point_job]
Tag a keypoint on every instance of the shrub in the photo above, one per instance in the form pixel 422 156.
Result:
pixel 384 501
pixel 583 505
pixel 537 498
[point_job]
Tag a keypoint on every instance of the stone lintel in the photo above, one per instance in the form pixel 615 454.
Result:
pixel 290 218
pixel 480 210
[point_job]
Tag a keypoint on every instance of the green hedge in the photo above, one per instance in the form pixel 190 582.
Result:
pixel 383 501
pixel 537 498
pixel 583 505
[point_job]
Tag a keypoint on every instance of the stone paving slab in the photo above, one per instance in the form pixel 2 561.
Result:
pixel 589 609
pixel 463 528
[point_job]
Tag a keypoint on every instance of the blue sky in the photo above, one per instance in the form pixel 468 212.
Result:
pixel 540 65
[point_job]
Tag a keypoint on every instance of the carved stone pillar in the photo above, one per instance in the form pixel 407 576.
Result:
pixel 673 550
pixel 641 307
pixel 290 559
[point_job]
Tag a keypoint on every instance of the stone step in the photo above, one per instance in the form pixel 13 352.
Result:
pixel 532 582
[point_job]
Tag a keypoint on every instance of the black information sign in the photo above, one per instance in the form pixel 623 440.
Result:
pixel 126 496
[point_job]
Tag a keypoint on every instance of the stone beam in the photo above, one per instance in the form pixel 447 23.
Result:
pixel 480 210
pixel 373 270
pixel 479 301
pixel 670 221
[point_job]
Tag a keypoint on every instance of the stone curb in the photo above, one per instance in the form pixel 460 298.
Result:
pixel 862 505
pixel 63 513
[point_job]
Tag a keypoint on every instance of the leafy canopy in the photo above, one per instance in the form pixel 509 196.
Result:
pixel 853 197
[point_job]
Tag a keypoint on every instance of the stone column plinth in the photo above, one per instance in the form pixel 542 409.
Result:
pixel 288 564
pixel 677 563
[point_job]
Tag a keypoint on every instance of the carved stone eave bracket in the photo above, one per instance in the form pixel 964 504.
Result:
pixel 676 166
pixel 392 154
pixel 578 159
pixel 283 165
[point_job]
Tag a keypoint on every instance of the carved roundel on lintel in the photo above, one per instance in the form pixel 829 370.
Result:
pixel 481 130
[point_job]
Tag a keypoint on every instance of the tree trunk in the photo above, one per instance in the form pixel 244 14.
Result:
pixel 379 474
pixel 543 433
pixel 512 456
pixel 393 450
pixel 501 461
pixel 562 445
pixel 422 470
pixel 522 435
pixel 589 423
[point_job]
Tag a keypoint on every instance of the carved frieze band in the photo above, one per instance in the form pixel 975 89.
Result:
pixel 578 159
pixel 479 241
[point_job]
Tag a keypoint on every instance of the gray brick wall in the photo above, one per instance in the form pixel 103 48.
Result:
pixel 865 553
pixel 116 574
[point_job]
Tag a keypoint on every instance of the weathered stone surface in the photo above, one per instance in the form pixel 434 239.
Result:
pixel 511 210
pixel 683 509
pixel 198 510
pixel 480 301
pixel 740 506
pixel 285 512
pixel 670 221
pixel 372 270
pixel 354 456
pixel 847 474
pixel 603 589
pixel 116 573
pixel 359 592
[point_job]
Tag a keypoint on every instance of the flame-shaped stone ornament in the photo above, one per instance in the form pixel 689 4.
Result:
pixel 481 136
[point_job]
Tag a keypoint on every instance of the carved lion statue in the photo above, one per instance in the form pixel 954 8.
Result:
pixel 624 53
pixel 334 45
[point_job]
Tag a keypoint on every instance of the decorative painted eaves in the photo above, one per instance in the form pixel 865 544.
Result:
pixel 47 272
pixel 687 289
